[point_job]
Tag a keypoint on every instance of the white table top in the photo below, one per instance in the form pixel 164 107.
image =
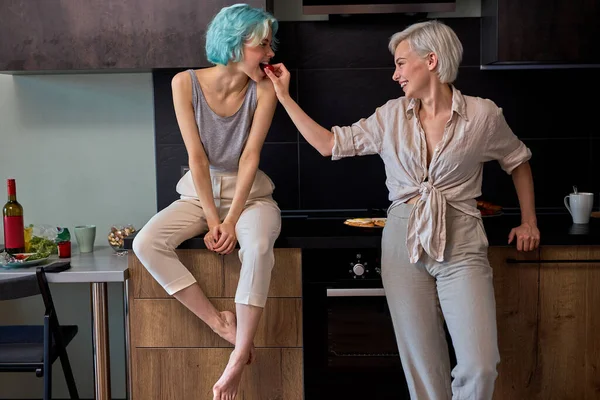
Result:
pixel 101 265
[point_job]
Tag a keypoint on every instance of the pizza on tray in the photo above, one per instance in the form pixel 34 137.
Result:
pixel 366 222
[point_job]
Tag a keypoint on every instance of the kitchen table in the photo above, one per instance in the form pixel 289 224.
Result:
pixel 97 268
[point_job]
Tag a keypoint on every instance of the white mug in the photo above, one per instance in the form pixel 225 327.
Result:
pixel 580 206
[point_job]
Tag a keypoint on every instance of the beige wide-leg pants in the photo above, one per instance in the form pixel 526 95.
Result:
pixel 256 230
pixel 420 295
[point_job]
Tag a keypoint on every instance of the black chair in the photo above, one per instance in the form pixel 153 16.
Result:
pixel 33 348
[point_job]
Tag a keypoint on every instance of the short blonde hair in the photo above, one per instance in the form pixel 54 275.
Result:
pixel 433 37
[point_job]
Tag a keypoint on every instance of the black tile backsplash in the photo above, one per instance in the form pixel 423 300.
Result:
pixel 342 70
pixel 282 128
pixel 170 158
pixel 280 162
pixel 349 183
pixel 343 96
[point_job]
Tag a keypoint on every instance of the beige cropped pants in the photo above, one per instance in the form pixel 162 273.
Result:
pixel 421 295
pixel 257 229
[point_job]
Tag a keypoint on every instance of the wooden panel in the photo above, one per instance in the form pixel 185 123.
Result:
pixel 516 289
pixel 286 278
pixel 291 366
pixel 174 374
pixel 568 334
pixel 206 266
pixel 167 323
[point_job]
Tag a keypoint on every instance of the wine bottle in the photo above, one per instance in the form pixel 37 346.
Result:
pixel 12 213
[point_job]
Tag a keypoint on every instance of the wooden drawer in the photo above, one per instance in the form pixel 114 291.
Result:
pixel 175 374
pixel 167 323
pixel 218 275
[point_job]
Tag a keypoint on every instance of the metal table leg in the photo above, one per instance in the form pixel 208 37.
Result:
pixel 100 341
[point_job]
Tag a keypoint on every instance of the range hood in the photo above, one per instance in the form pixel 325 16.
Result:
pixel 376 7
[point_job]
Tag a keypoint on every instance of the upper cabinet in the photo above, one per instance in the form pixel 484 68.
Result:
pixel 106 35
pixel 536 32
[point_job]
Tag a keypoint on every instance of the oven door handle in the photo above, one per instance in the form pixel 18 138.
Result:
pixel 375 292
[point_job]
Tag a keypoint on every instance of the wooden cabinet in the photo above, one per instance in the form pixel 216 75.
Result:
pixel 517 293
pixel 106 35
pixel 569 321
pixel 174 355
pixel 539 31
pixel 548 312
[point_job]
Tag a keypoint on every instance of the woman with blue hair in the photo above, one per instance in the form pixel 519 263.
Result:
pixel 224 113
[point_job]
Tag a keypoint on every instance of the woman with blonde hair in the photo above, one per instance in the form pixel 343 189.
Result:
pixel 434 141
pixel 224 113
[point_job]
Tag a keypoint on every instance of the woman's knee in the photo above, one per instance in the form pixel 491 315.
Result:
pixel 482 369
pixel 145 243
pixel 259 254
pixel 141 243
pixel 259 247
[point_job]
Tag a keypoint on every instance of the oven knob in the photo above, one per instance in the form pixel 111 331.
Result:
pixel 358 269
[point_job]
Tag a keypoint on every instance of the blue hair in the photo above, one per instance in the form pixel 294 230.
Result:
pixel 232 27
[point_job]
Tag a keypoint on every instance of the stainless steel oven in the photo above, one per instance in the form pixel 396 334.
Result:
pixel 350 349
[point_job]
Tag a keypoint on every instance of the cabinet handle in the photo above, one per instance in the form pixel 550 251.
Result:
pixel 515 261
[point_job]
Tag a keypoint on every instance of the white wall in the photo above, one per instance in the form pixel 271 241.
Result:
pixel 81 148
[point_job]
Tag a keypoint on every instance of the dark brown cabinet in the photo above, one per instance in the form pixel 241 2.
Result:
pixel 548 320
pixel 533 32
pixel 105 35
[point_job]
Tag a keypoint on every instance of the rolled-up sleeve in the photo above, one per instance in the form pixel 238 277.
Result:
pixel 361 138
pixel 503 145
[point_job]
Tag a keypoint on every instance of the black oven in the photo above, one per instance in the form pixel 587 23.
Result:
pixel 350 349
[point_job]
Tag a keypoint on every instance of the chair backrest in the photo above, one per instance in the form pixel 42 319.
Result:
pixel 27 286
pixel 18 288
pixel 31 285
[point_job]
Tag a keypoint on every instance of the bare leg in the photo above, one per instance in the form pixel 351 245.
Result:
pixel 222 323
pixel 227 386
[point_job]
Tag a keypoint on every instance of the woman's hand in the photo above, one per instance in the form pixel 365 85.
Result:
pixel 211 238
pixel 528 236
pixel 226 238
pixel 281 80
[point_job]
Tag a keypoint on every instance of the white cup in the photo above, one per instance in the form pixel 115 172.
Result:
pixel 580 206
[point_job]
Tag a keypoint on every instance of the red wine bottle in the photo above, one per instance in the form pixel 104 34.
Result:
pixel 12 213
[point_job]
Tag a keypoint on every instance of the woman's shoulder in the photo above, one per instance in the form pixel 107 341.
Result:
pixel 481 105
pixel 265 90
pixel 182 80
pixel 482 110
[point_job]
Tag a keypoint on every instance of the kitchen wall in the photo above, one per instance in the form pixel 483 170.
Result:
pixel 341 71
pixel 81 148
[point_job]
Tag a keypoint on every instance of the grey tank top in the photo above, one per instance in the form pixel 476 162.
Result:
pixel 223 138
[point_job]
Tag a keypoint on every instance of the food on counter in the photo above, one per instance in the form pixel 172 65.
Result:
pixel 486 208
pixel 366 222
pixel 39 244
pixel 21 258
pixel 379 221
pixel 117 235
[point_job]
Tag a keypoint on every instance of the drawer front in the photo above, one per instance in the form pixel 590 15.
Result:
pixel 167 323
pixel 175 374
pixel 218 275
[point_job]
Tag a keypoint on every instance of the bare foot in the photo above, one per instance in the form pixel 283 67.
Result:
pixel 227 330
pixel 227 386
